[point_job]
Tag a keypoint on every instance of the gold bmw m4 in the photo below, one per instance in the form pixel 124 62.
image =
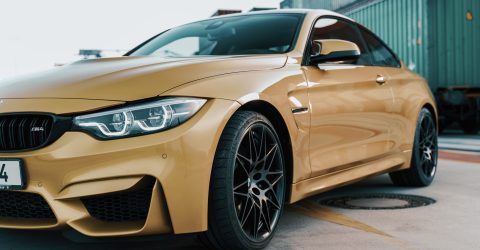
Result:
pixel 211 128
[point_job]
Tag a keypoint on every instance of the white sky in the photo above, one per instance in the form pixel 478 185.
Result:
pixel 36 34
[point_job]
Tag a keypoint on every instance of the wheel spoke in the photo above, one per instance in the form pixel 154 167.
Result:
pixel 263 146
pixel 246 213
pixel 256 221
pixel 266 218
pixel 430 127
pixel 253 147
pixel 243 158
pixel 240 185
pixel 428 168
pixel 274 200
pixel 240 159
pixel 425 167
pixel 271 154
pixel 275 173
pixel 277 179
pixel 420 151
pixel 426 139
pixel 426 125
pixel 240 194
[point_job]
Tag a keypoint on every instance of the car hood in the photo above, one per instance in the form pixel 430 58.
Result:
pixel 129 78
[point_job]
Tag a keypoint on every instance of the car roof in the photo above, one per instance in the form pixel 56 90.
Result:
pixel 308 12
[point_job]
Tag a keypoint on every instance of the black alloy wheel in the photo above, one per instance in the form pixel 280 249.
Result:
pixel 248 184
pixel 424 154
pixel 258 187
pixel 427 146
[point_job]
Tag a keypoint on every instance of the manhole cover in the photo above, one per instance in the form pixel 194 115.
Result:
pixel 378 201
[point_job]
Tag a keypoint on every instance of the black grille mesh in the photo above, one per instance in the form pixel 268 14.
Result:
pixel 24 205
pixel 130 205
pixel 22 132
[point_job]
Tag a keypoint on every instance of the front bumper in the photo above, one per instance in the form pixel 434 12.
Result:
pixel 173 167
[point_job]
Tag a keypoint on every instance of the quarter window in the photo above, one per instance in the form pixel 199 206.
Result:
pixel 381 55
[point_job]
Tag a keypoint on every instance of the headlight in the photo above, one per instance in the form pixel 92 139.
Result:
pixel 140 119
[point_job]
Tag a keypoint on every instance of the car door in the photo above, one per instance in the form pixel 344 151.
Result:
pixel 349 104
pixel 397 80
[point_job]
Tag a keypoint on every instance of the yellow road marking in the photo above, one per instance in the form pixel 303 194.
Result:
pixel 313 210
pixel 316 211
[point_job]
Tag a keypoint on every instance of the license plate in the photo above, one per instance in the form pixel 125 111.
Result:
pixel 11 174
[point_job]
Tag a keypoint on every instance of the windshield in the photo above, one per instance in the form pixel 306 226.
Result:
pixel 236 35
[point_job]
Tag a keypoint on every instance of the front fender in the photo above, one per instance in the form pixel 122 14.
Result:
pixel 285 89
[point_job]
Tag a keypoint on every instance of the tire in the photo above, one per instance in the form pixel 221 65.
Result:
pixel 241 204
pixel 424 155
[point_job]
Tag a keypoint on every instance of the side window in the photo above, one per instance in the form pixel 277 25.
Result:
pixel 331 28
pixel 380 54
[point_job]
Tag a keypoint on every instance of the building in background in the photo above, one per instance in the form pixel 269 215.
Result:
pixel 222 12
pixel 90 53
pixel 84 54
pixel 286 4
pixel 439 39
pixel 260 9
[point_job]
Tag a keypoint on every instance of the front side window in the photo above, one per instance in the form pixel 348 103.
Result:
pixel 236 35
pixel 331 28
pixel 380 54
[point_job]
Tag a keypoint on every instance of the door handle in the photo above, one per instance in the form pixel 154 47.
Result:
pixel 381 80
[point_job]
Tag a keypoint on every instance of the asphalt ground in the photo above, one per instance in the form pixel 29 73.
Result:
pixel 453 222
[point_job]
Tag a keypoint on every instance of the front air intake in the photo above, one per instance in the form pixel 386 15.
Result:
pixel 125 206
pixel 20 205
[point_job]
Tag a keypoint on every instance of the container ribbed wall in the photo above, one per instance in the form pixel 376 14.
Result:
pixel 454 37
pixel 403 25
pixel 439 39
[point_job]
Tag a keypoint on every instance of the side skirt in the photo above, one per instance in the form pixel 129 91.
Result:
pixel 319 184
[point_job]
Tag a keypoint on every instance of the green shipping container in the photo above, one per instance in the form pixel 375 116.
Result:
pixel 439 39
